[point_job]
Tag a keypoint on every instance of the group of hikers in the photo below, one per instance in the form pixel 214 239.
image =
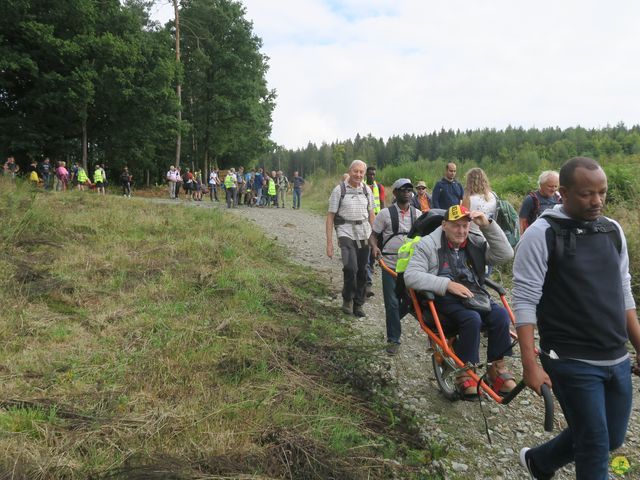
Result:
pixel 59 178
pixel 571 282
pixel 255 187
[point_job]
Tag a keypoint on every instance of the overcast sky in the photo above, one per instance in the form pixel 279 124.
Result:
pixel 342 67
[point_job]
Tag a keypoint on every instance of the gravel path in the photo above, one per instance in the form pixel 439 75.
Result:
pixel 458 426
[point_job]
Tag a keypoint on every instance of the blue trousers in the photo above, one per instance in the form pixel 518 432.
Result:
pixel 297 194
pixel 596 402
pixel 468 322
pixel 393 311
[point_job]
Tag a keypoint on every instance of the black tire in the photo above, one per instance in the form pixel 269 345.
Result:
pixel 444 371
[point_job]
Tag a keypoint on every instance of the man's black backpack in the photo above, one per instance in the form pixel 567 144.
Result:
pixel 395 226
pixel 565 231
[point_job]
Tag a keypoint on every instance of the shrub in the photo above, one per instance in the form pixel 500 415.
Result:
pixel 622 183
pixel 519 184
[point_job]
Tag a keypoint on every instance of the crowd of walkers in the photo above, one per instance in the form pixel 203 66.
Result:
pixel 60 178
pixel 251 188
pixel 571 282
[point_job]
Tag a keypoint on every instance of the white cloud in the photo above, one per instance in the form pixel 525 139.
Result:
pixel 410 66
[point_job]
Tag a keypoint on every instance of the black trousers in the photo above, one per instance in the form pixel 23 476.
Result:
pixel 355 256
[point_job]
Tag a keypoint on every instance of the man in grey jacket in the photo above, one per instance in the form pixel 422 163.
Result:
pixel 451 263
pixel 571 279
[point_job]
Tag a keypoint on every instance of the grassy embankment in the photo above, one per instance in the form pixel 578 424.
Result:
pixel 155 341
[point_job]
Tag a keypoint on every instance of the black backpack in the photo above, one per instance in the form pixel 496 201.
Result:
pixel 563 241
pixel 395 226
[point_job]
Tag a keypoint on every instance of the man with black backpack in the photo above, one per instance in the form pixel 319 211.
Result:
pixel 537 202
pixel 351 214
pixel 390 228
pixel 571 279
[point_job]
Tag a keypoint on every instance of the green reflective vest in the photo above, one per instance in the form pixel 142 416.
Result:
pixel 376 197
pixel 97 176
pixel 272 187
pixel 228 181
pixel 82 176
pixel 405 252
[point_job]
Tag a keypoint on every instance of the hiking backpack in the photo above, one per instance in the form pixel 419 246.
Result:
pixel 395 226
pixel 535 211
pixel 565 232
pixel 507 219
pixel 338 220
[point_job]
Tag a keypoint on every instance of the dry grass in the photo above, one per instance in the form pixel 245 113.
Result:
pixel 154 341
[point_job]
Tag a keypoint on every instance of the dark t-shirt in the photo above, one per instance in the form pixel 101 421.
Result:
pixel 527 210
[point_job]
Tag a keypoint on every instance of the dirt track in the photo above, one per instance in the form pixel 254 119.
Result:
pixel 458 425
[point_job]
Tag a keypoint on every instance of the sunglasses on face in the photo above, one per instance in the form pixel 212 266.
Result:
pixel 422 188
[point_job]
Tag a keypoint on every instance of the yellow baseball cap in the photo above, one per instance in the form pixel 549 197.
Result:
pixel 456 212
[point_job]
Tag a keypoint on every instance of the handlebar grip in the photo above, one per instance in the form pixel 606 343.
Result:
pixel 495 286
pixel 548 407
pixel 512 394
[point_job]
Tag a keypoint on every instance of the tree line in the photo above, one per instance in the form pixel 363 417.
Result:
pixel 93 81
pixel 513 150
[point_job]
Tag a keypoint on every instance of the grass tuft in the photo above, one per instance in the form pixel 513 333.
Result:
pixel 155 341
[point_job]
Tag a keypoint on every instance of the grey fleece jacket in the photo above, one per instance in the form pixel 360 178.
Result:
pixel 531 263
pixel 422 271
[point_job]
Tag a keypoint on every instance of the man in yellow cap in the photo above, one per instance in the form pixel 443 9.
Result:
pixel 451 263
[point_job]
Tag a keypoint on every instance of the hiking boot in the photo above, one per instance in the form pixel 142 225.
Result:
pixel 347 306
pixel 358 311
pixel 392 348
pixel 369 291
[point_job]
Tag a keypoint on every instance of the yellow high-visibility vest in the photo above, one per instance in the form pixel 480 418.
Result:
pixel 82 176
pixel 228 181
pixel 405 252
pixel 376 197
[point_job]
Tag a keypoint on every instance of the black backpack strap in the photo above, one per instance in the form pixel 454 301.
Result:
pixel 338 220
pixel 395 227
pixel 564 235
pixel 395 219
pixel 394 213
pixel 535 212
pixel 560 232
pixel 604 225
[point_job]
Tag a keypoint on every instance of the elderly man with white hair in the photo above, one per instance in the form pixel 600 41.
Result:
pixel 351 213
pixel 537 202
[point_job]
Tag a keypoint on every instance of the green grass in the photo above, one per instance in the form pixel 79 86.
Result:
pixel 158 341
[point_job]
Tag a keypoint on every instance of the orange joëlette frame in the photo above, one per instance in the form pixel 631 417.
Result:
pixel 441 340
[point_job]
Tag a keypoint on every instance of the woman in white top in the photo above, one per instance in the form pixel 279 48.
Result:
pixel 478 195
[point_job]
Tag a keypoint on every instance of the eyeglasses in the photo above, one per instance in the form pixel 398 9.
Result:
pixel 422 188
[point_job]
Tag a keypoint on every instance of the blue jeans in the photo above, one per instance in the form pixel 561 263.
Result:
pixel 297 194
pixel 596 402
pixel 468 322
pixel 393 311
